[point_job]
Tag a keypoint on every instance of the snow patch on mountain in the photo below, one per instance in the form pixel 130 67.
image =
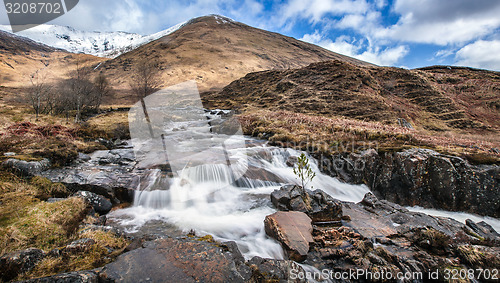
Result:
pixel 102 44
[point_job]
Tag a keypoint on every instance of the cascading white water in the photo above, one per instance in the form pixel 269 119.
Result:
pixel 228 201
pixel 225 197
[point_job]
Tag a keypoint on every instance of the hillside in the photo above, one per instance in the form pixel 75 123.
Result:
pixel 434 98
pixel 101 44
pixel 214 51
pixel 20 57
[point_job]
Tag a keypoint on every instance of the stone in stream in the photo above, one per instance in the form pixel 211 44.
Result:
pixel 318 205
pixel 483 230
pixel 99 203
pixel 293 230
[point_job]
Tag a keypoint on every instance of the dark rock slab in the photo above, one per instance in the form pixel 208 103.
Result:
pixel 26 168
pixel 174 260
pixel 293 230
pixel 422 177
pixel 483 230
pixel 13 264
pixel 272 270
pixel 70 277
pixel 384 235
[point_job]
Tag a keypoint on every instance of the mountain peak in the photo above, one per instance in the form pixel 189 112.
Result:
pixel 212 19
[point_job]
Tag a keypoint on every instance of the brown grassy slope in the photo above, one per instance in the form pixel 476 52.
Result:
pixel 215 52
pixel 454 110
pixel 372 93
pixel 20 57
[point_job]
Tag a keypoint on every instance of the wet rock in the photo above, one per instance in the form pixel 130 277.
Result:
pixel 318 205
pixel 483 230
pixel 110 173
pixel 13 264
pixel 26 168
pixel 291 161
pixel 83 157
pixel 174 260
pixel 70 277
pixel 9 154
pixel 258 174
pixel 293 230
pixel 423 177
pixel 99 203
pixel 384 235
pixel 107 143
pixel 272 270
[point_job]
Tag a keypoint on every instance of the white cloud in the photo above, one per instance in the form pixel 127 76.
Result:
pixel 442 22
pixel 315 10
pixel 147 17
pixel 346 46
pixel 480 54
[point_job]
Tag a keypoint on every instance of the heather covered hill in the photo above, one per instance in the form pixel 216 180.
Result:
pixel 437 98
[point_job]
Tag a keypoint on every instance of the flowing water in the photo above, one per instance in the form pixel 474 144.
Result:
pixel 210 195
pixel 223 190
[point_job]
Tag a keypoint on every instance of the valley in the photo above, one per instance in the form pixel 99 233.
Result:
pixel 405 164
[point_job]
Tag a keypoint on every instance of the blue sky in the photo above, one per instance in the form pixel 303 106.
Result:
pixel 402 33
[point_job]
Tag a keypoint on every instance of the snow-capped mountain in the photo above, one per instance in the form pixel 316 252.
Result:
pixel 102 44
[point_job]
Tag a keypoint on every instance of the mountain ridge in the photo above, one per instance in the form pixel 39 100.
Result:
pixel 100 44
pixel 214 51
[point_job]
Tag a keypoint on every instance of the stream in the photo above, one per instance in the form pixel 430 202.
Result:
pixel 219 185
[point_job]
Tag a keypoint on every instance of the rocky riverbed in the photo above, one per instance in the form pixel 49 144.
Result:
pixel 203 225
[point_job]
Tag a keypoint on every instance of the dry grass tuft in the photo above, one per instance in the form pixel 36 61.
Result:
pixel 333 135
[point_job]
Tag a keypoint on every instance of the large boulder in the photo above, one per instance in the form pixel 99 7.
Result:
pixel 13 264
pixel 422 177
pixel 293 230
pixel 318 205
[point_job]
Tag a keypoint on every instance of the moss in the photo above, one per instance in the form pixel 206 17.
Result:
pixel 105 239
pixel 482 158
pixel 476 257
pixel 46 189
pixel 207 238
pixel 59 152
pixel 39 224
pixel 94 257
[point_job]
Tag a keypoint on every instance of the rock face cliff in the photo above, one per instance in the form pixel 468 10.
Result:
pixel 422 177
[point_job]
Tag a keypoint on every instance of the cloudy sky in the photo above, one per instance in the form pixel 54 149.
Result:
pixel 403 33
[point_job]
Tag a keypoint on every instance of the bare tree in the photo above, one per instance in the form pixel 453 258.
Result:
pixel 145 81
pixel 102 89
pixel 39 93
pixel 146 78
pixel 80 93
